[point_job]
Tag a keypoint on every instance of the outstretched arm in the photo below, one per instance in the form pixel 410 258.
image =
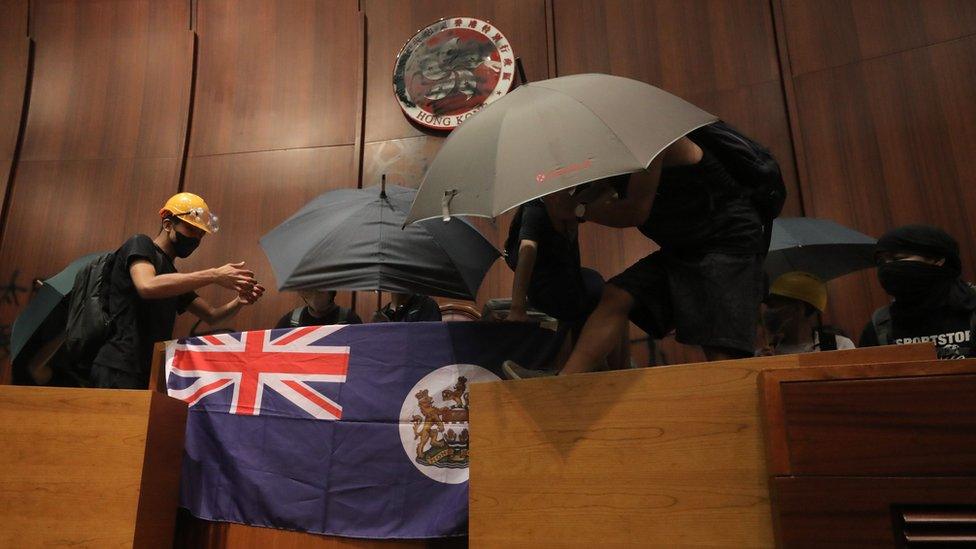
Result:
pixel 150 285
pixel 520 285
pixel 212 315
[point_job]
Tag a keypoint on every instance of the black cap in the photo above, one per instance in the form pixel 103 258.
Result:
pixel 922 240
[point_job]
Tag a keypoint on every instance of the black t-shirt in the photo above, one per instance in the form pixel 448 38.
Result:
pixel 557 256
pixel 949 329
pixel 419 308
pixel 139 323
pixel 335 315
pixel 701 208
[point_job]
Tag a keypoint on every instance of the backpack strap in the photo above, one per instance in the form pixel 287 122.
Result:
pixel 881 319
pixel 296 317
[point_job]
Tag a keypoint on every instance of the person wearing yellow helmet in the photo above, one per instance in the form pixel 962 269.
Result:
pixel 146 292
pixel 791 317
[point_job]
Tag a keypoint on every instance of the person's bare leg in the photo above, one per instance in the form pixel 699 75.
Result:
pixel 619 358
pixel 601 333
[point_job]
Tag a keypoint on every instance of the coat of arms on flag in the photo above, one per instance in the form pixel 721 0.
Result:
pixel 356 431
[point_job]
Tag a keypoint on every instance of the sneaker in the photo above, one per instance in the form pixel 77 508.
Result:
pixel 514 371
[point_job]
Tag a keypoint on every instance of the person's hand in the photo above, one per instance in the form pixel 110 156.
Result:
pixel 517 315
pixel 234 276
pixel 249 297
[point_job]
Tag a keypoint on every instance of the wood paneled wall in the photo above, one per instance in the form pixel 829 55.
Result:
pixel 885 96
pixel 103 139
pixel 259 106
pixel 14 53
pixel 273 126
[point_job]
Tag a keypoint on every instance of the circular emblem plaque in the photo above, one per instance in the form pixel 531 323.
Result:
pixel 434 422
pixel 451 70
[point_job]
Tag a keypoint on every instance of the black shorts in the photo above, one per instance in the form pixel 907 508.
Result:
pixel 709 299
pixel 567 298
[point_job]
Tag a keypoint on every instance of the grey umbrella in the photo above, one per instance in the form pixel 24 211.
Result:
pixel 551 135
pixel 351 239
pixel 817 246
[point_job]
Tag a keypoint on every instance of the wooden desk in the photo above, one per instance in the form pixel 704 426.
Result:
pixel 658 457
pixel 88 467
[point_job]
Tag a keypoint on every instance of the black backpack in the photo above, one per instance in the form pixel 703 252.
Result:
pixel 750 164
pixel 89 322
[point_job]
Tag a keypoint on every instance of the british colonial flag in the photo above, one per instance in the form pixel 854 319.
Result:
pixel 296 364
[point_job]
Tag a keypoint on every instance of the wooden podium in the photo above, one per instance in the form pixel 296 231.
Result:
pixel 89 467
pixel 660 457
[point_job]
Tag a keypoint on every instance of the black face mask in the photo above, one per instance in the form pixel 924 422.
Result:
pixel 915 282
pixel 184 245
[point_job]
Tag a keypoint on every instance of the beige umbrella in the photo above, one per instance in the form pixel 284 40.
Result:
pixel 551 135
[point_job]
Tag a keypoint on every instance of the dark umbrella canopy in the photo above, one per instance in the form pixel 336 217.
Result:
pixel 817 246
pixel 47 307
pixel 351 239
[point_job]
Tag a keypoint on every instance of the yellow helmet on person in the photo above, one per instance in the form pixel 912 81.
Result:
pixel 192 209
pixel 803 287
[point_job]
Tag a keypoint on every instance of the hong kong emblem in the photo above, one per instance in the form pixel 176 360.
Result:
pixel 452 69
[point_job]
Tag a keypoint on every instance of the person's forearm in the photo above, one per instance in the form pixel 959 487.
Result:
pixel 633 210
pixel 523 274
pixel 226 311
pixel 174 284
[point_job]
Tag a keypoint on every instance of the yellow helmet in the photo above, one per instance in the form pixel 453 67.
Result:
pixel 192 209
pixel 801 286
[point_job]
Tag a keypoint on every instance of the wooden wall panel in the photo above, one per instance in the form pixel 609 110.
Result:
pixel 829 33
pixel 14 50
pixel 111 80
pixel 102 144
pixel 275 75
pixel 274 125
pixel 252 193
pixel 889 142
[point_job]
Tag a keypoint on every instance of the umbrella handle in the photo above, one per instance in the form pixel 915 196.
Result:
pixel 446 204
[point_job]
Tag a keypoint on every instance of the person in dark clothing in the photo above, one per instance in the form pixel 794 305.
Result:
pixel 706 281
pixel 146 292
pixel 920 268
pixel 409 308
pixel 543 250
pixel 320 310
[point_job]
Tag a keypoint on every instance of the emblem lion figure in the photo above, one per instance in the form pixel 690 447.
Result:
pixel 427 427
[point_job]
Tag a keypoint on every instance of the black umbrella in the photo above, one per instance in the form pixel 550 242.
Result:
pixel 48 308
pixel 351 239
pixel 817 246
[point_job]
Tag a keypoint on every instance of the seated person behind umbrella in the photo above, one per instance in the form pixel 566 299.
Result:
pixel 320 310
pixel 405 307
pixel 706 281
pixel 920 267
pixel 791 317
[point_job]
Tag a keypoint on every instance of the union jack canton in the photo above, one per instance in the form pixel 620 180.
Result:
pixel 293 363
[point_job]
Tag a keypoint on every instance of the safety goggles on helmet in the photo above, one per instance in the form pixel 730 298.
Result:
pixel 200 218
